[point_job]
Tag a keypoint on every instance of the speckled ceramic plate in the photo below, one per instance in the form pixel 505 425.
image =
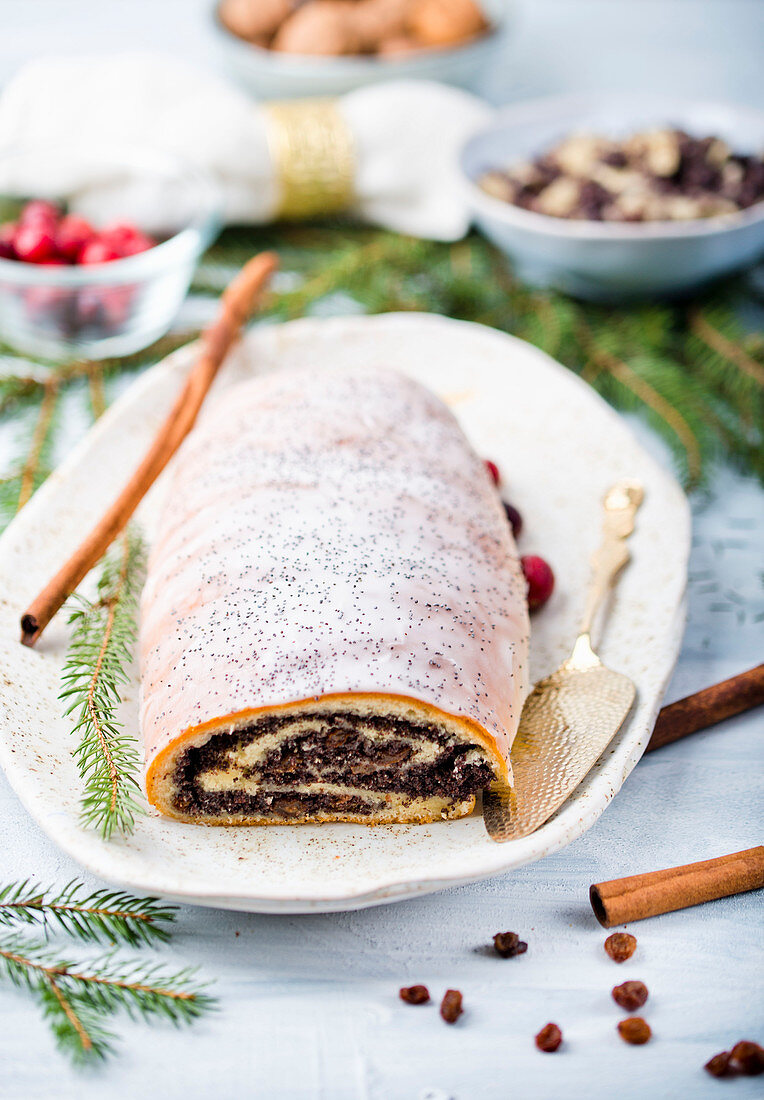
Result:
pixel 559 447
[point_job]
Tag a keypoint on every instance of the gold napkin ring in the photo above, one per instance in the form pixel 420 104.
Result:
pixel 312 151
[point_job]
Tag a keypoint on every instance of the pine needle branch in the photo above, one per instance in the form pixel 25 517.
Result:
pixel 76 1027
pixel 35 430
pixel 98 916
pixel 100 652
pixel 76 995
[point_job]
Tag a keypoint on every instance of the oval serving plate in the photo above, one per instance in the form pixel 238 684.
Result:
pixel 559 447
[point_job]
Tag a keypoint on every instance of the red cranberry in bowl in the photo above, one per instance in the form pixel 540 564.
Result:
pixel 34 242
pixel 540 578
pixel 139 243
pixel 43 303
pixel 72 234
pixel 115 303
pixel 97 252
pixel 39 210
pixel 88 305
pixel 126 239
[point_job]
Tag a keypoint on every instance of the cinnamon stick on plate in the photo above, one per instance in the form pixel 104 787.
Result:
pixel 236 305
pixel 639 896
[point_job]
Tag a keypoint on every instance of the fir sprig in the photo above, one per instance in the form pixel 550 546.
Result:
pixel 35 425
pixel 91 916
pixel 76 995
pixel 100 652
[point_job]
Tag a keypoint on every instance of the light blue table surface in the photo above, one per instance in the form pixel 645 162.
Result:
pixel 308 1005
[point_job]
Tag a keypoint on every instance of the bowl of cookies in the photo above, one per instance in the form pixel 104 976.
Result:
pixel 285 49
pixel 620 196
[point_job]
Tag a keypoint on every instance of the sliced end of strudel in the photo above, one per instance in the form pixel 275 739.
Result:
pixel 365 758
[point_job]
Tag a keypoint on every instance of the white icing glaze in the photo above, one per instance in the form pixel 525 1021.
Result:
pixel 331 532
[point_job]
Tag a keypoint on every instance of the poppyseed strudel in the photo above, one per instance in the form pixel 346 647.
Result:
pixel 334 625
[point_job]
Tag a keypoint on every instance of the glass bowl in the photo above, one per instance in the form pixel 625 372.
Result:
pixel 119 307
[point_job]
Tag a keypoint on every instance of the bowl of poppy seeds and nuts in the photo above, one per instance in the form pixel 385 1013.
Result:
pixel 618 197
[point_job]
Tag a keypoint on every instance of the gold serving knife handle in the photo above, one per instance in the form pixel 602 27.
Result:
pixel 620 506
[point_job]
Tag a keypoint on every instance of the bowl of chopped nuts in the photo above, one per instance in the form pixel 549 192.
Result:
pixel 620 197
pixel 290 48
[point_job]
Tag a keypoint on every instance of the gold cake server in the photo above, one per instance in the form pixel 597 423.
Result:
pixel 571 716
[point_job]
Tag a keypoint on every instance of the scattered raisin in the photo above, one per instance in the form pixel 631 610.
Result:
pixel 415 994
pixel 451 1006
pixel 630 995
pixel 549 1038
pixel 747 1058
pixel 719 1065
pixel 634 1030
pixel 509 944
pixel 621 946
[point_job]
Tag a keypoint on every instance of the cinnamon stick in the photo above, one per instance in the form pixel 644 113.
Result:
pixel 706 708
pixel 236 305
pixel 628 899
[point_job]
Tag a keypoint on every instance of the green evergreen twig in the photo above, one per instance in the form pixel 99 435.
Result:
pixel 35 434
pixel 76 995
pixel 96 668
pixel 91 916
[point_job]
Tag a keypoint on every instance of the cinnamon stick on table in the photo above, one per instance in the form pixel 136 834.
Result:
pixel 706 708
pixel 627 899
pixel 236 305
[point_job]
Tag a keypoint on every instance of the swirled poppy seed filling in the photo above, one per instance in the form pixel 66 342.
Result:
pixel 283 767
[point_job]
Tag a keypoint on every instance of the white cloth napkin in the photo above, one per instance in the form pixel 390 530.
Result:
pixel 407 135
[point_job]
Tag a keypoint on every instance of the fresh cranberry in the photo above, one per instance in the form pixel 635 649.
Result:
pixel 126 239
pixel 7 236
pixel 39 210
pixel 493 470
pixel 72 234
pixel 140 243
pixel 89 301
pixel 53 261
pixel 97 251
pixel 43 302
pixel 540 580
pixel 115 304
pixel 118 232
pixel 515 519
pixel 34 243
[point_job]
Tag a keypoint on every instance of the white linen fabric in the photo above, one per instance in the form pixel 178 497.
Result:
pixel 406 133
